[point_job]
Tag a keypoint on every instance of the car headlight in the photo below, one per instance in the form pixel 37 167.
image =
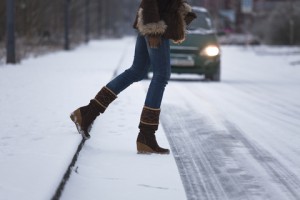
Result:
pixel 210 51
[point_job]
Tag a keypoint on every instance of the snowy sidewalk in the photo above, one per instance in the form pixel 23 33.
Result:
pixel 38 140
pixel 108 166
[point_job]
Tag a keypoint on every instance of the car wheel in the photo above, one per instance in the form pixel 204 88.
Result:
pixel 216 76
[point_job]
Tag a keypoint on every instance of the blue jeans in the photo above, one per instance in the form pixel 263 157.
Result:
pixel 158 58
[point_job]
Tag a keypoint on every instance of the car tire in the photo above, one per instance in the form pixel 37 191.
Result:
pixel 216 76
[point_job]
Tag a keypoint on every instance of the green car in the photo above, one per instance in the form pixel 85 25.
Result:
pixel 200 52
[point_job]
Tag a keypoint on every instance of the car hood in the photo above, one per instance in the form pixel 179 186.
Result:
pixel 198 39
pixel 200 31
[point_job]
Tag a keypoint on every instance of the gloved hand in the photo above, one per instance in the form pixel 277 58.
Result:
pixel 154 41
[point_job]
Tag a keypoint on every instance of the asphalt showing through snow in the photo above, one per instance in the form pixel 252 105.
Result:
pixel 216 160
pixel 68 172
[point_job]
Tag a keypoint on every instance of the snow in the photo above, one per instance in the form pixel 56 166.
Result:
pixel 38 139
pixel 260 93
pixel 248 124
pixel 257 102
pixel 109 167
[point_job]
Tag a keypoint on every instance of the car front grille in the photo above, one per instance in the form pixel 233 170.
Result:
pixel 184 49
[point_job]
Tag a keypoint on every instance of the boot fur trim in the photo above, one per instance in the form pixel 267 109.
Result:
pixel 152 124
pixel 157 28
pixel 110 91
pixel 100 104
pixel 104 97
pixel 150 116
pixel 155 109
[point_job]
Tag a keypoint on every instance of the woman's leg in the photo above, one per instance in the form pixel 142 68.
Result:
pixel 84 116
pixel 160 62
pixel 136 72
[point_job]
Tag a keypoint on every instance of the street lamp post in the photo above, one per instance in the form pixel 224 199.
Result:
pixel 87 21
pixel 291 23
pixel 10 34
pixel 66 24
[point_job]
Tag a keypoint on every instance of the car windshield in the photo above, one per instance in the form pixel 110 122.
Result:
pixel 201 22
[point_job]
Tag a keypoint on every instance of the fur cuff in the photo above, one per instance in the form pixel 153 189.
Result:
pixel 157 28
pixel 185 9
pixel 178 41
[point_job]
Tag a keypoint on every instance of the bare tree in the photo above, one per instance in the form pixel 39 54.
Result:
pixel 40 24
pixel 2 19
pixel 281 26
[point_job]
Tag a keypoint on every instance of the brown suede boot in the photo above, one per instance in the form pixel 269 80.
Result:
pixel 146 140
pixel 84 116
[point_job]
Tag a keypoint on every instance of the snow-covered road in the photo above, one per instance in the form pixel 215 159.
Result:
pixel 238 139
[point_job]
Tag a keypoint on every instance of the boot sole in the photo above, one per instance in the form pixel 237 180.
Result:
pixel 76 118
pixel 145 149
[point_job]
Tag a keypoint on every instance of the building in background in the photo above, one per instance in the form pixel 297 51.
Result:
pixel 237 15
pixel 273 21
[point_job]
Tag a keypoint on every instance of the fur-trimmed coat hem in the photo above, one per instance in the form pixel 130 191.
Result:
pixel 154 28
pixel 169 22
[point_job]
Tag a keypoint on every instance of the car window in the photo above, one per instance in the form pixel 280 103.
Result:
pixel 202 21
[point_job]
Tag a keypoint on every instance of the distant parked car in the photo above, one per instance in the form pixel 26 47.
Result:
pixel 200 52
pixel 238 39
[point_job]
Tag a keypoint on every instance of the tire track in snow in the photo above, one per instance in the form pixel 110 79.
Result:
pixel 203 169
pixel 216 160
pixel 288 181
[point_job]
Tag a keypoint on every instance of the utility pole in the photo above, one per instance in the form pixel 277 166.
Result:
pixel 87 21
pixel 238 16
pixel 291 22
pixel 99 23
pixel 66 23
pixel 10 32
pixel 104 17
